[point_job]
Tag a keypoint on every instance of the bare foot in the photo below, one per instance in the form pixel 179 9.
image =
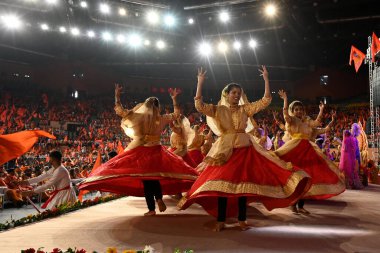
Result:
pixel 244 225
pixel 303 211
pixel 219 226
pixel 294 210
pixel 150 213
pixel 161 205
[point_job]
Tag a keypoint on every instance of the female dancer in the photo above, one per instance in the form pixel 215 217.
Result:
pixel 196 140
pixel 178 139
pixel 302 152
pixel 237 169
pixel 348 163
pixel 145 168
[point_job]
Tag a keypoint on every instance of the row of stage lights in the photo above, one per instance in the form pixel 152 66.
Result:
pixel 206 49
pixel 12 22
pixel 134 40
pixel 154 17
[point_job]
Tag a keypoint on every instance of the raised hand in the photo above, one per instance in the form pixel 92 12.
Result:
pixel 333 115
pixel 201 75
pixel 118 89
pixel 174 93
pixel 264 72
pixel 282 94
pixel 321 105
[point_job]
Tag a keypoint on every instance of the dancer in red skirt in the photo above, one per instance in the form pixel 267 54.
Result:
pixel 178 140
pixel 237 169
pixel 302 152
pixel 195 142
pixel 145 168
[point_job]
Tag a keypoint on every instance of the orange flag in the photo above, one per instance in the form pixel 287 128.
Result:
pixel 375 46
pixel 97 164
pixel 358 57
pixel 17 144
pixel 120 148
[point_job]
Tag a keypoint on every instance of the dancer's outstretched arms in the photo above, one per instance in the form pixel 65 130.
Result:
pixel 207 109
pixel 118 106
pixel 173 94
pixel 333 115
pixel 318 121
pixel 255 107
pixel 283 96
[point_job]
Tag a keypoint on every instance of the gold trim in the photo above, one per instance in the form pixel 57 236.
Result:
pixel 158 174
pixel 325 189
pixel 300 136
pixel 317 189
pixel 251 188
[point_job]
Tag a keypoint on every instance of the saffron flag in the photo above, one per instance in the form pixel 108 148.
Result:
pixel 375 46
pixel 17 144
pixel 358 57
pixel 97 164
pixel 120 148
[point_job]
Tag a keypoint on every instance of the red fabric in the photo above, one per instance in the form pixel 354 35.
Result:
pixel 305 157
pixel 358 57
pixel 249 166
pixel 196 155
pixel 186 158
pixel 17 144
pixel 52 196
pixel 375 46
pixel 132 166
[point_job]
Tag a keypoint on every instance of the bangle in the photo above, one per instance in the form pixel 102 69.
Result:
pixel 175 104
pixel 284 109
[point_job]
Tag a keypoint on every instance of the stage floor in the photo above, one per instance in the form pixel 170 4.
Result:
pixel 347 223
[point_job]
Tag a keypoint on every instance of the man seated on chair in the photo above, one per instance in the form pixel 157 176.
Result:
pixel 58 178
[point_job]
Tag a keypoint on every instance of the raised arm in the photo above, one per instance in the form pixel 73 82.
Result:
pixel 333 116
pixel 173 94
pixel 207 109
pixel 318 120
pixel 118 106
pixel 255 107
pixel 283 96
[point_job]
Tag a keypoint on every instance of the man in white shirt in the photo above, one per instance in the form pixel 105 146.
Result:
pixel 57 178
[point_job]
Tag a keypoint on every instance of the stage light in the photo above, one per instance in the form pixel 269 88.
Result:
pixel 44 27
pixel 51 1
pixel 62 29
pixel 152 17
pixel 83 4
pixel 104 8
pixel 120 38
pixel 122 12
pixel 160 44
pixel 91 34
pixel 75 31
pixel 106 36
pixel 190 21
pixel 224 16
pixel 169 20
pixel 205 49
pixel 270 10
pixel 222 47
pixel 134 40
pixel 237 45
pixel 252 43
pixel 11 22
pixel 147 42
